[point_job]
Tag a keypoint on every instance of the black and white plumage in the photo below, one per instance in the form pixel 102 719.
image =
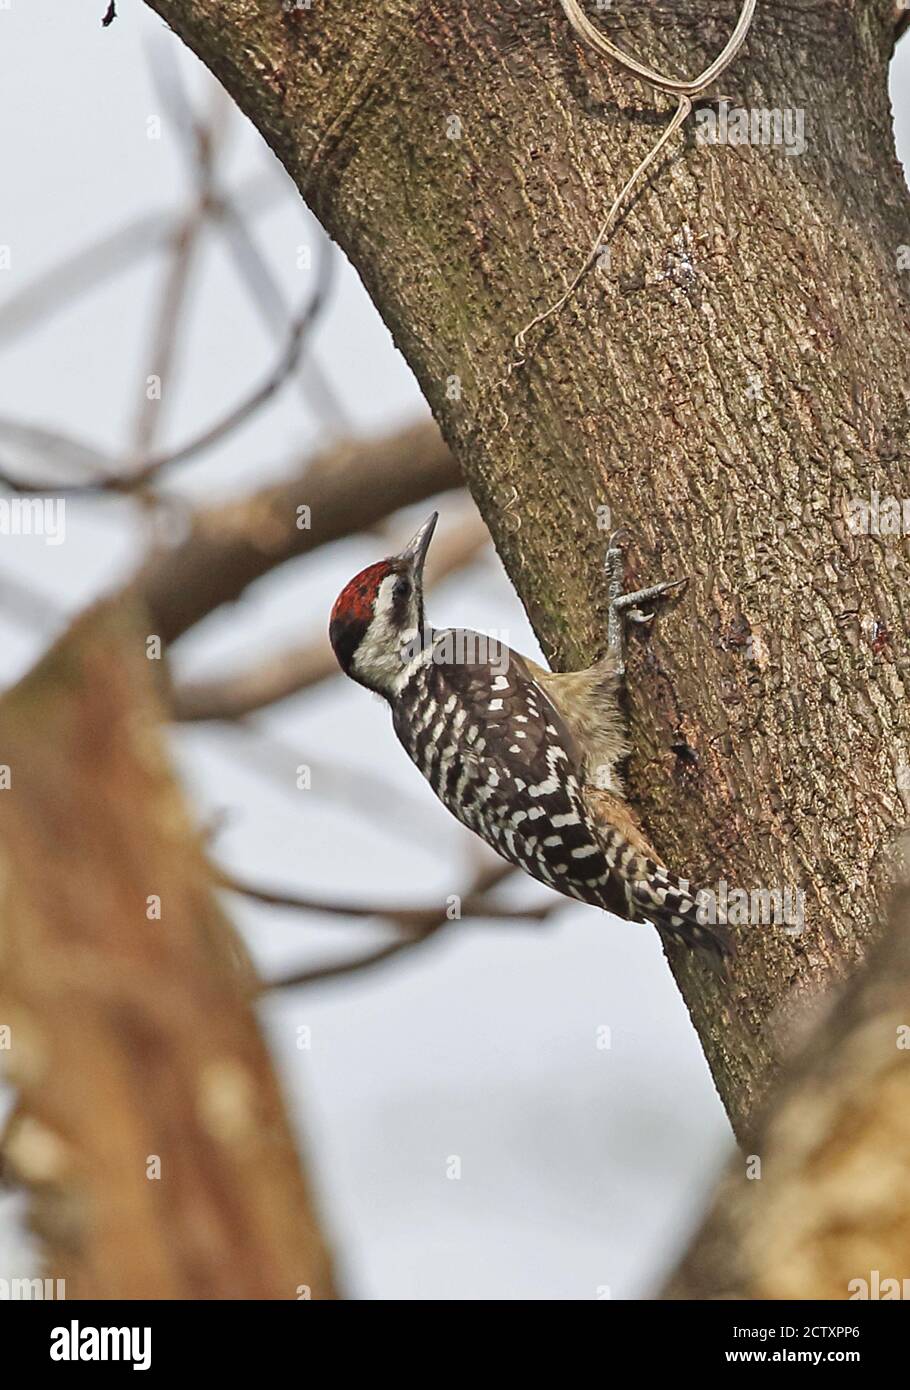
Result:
pixel 528 759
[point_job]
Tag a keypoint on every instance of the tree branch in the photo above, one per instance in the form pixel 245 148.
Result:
pixel 149 1127
pixel 299 668
pixel 349 487
pixel 421 924
pixel 414 920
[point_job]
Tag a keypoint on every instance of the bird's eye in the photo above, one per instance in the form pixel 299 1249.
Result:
pixel 402 588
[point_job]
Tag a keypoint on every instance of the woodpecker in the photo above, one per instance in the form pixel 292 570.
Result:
pixel 530 760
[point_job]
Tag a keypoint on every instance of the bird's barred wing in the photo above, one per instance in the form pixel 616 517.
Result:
pixel 502 759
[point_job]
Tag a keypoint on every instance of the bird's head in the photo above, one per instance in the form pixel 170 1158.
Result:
pixel 378 617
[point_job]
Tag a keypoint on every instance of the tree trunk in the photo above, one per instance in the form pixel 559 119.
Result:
pixel 731 376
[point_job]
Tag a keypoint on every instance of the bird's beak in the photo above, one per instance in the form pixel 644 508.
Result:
pixel 415 552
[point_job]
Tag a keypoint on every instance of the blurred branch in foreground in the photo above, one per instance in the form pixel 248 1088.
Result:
pixel 818 1207
pixel 149 1128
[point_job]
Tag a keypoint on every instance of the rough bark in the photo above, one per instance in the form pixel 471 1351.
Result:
pixel 823 1202
pixel 726 384
pixel 130 1037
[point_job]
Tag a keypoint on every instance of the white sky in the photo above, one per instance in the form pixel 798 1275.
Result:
pixel 582 1169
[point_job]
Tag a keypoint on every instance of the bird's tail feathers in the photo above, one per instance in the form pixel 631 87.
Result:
pixel 679 912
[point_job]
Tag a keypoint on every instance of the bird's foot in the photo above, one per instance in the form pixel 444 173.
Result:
pixel 631 607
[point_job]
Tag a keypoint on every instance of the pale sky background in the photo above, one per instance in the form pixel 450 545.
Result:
pixel 582 1169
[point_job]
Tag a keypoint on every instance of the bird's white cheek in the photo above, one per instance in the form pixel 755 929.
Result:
pixel 379 659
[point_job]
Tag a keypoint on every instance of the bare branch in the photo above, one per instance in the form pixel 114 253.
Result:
pixel 125 483
pixel 416 921
pixel 268 301
pixel 358 788
pixel 492 873
pixel 348 488
pixel 202 140
pixel 300 667
pixel 337 970
pixel 117 251
pixel 196 137
pixel 281 676
pixel 204 137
